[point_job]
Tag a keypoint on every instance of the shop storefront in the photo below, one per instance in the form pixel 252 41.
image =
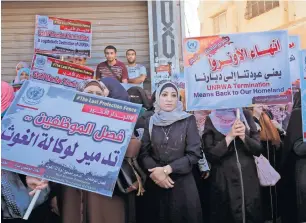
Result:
pixel 122 24
pixel 153 29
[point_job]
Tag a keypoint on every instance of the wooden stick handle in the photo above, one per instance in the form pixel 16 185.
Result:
pixel 238 114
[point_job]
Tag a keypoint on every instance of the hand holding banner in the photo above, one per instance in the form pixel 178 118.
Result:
pixel 72 138
pixel 237 70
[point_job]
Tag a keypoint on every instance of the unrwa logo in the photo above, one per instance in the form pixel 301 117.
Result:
pixel 192 46
pixel 33 95
pixel 40 61
pixel 42 21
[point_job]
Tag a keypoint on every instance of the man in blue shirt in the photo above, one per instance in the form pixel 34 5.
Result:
pixel 136 72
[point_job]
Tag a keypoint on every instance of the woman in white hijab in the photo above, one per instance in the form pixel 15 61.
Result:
pixel 170 148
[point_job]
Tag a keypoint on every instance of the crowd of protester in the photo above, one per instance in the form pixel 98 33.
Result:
pixel 170 147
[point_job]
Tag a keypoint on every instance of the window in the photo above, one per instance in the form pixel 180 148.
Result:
pixel 219 23
pixel 256 8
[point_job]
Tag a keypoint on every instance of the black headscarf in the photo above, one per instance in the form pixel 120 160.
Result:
pixel 138 96
pixel 294 130
pixel 297 100
pixel 269 113
pixel 294 133
pixel 116 90
pixel 153 97
pixel 169 85
pixel 141 122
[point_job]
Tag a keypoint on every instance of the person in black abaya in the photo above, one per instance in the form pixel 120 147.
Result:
pixel 294 189
pixel 138 96
pixel 271 142
pixel 223 133
pixel 170 148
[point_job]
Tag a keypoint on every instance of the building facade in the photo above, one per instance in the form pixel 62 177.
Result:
pixel 228 16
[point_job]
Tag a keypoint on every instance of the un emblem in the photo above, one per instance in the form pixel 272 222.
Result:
pixel 192 46
pixel 40 61
pixel 42 21
pixel 33 95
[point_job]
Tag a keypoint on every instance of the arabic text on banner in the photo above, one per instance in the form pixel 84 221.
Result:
pixel 303 89
pixel 294 52
pixel 281 113
pixel 68 137
pixel 59 36
pixel 237 70
pixel 53 71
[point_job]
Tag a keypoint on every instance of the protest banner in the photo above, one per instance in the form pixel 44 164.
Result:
pixel 59 36
pixel 237 70
pixel 303 64
pixel 72 138
pixel 162 72
pixel 61 73
pixel 166 72
pixel 294 53
pixel 303 90
pixel 178 79
pixel 281 114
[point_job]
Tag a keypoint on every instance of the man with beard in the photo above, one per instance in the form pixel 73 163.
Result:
pixel 137 73
pixel 112 67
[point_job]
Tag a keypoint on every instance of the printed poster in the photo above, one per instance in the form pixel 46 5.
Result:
pixel 294 52
pixel 61 73
pixel 179 80
pixel 281 113
pixel 162 73
pixel 67 137
pixel 57 36
pixel 176 78
pixel 237 70
pixel 303 89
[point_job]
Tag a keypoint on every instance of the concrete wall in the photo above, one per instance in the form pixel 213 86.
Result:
pixel 289 15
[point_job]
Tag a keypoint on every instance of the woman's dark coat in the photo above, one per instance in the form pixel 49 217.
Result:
pixel 225 196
